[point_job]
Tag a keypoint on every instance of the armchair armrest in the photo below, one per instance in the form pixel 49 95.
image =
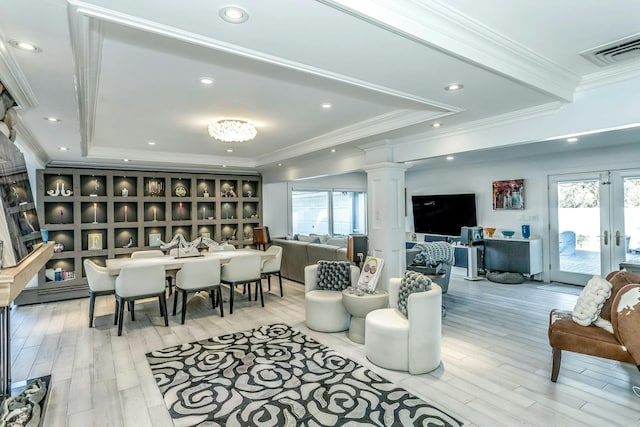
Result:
pixel 425 329
pixel 310 277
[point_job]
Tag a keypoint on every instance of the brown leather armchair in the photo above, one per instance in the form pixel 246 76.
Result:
pixel 623 345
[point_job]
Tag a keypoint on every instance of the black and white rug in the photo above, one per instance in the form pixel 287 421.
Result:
pixel 276 376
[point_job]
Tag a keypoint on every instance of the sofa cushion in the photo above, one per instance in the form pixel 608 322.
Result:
pixel 341 242
pixel 411 282
pixel 333 275
pixel 591 300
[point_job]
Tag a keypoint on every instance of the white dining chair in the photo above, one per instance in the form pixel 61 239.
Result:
pixel 138 282
pixel 272 265
pixel 154 253
pixel 100 283
pixel 198 275
pixel 244 269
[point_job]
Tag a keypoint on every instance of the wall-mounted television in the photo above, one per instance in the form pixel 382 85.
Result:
pixel 444 214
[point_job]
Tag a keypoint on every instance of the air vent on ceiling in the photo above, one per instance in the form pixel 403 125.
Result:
pixel 614 52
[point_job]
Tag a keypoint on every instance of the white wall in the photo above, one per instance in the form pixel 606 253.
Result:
pixel 477 178
pixel 276 200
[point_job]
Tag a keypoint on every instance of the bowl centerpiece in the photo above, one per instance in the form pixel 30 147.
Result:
pixel 508 233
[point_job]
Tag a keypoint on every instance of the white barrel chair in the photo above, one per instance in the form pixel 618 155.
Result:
pixel 412 343
pixel 324 309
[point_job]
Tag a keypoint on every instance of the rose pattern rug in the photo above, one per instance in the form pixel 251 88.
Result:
pixel 276 376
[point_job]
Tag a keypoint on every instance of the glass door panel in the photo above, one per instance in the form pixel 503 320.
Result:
pixel 579 246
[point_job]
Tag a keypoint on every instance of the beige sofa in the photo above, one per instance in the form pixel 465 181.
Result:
pixel 296 255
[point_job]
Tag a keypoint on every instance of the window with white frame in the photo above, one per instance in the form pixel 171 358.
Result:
pixel 333 212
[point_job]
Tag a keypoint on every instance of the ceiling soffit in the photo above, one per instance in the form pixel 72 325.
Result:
pixel 86 28
pixel 442 27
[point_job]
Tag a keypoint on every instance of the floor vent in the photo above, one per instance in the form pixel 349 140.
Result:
pixel 624 49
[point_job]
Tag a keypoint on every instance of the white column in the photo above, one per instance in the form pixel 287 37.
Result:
pixel 386 216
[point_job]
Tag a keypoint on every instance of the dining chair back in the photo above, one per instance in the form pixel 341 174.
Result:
pixel 243 269
pixel 137 282
pixel 100 283
pixel 273 265
pixel 147 254
pixel 199 275
pixel 154 253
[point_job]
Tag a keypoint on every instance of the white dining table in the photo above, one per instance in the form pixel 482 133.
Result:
pixel 114 265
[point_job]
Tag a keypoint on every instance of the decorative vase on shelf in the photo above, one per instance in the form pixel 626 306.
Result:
pixel 125 192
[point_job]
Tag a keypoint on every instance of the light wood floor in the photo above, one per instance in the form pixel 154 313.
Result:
pixel 495 359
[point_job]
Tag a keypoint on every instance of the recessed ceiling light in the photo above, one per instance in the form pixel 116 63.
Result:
pixel 52 119
pixel 224 166
pixel 454 86
pixel 125 160
pixel 234 14
pixel 573 139
pixel 22 45
pixel 279 164
pixel 208 81
pixel 229 150
pixel 63 148
pixel 151 143
pixel 450 158
pixel 436 125
pixel 326 105
pixel 333 150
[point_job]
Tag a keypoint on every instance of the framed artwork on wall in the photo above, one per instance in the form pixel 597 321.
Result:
pixel 508 194
pixel 154 239
pixel 94 242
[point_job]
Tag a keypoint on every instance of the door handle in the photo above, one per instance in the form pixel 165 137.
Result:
pixel 617 237
pixel 606 237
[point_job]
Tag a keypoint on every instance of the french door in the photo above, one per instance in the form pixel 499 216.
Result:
pixel 594 223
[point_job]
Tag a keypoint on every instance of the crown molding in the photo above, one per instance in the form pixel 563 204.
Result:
pixel 489 122
pixel 374 126
pixel 14 79
pixel 150 167
pixel 436 24
pixel 612 74
pixel 29 142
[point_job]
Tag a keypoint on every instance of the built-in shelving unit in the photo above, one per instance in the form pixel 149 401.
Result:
pixel 100 214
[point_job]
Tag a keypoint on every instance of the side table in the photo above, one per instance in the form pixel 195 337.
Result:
pixel 359 306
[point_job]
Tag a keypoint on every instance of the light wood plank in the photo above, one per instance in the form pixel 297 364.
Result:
pixel 495 370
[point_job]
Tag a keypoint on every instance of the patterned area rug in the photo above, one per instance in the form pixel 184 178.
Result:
pixel 276 376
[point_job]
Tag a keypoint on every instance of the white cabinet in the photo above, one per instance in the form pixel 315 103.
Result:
pixel 513 255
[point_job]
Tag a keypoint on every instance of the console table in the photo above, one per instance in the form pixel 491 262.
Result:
pixel 12 281
pixel 514 255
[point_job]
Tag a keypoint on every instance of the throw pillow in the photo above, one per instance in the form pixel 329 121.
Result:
pixel 333 275
pixel 322 237
pixel 591 300
pixel 411 282
pixel 309 239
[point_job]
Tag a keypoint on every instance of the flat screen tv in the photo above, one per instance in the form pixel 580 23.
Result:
pixel 444 214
